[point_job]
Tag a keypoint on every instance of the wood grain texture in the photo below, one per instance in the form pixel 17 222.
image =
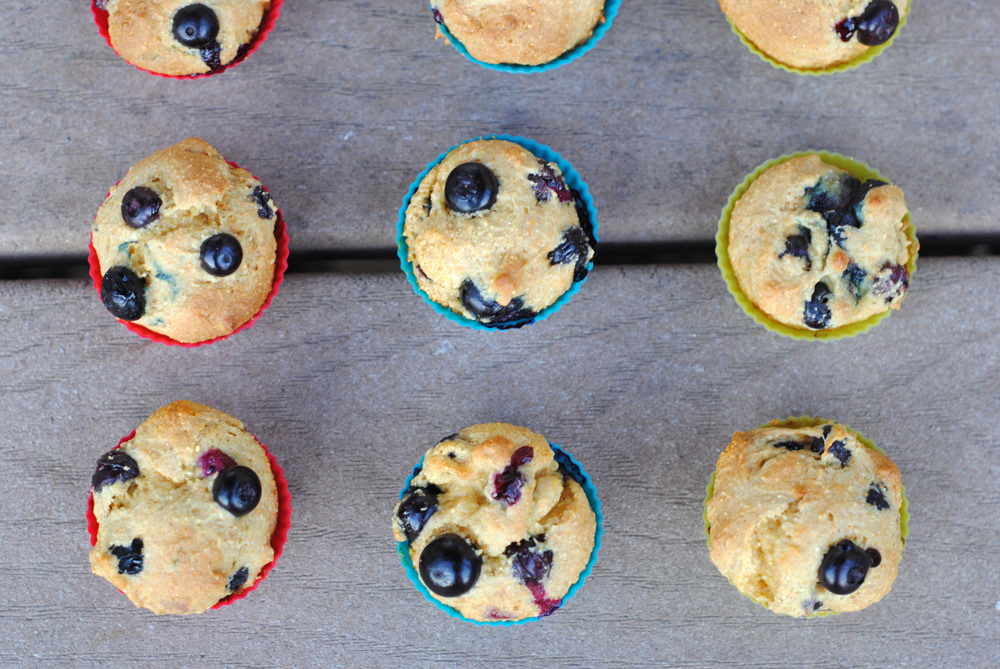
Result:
pixel 347 101
pixel 643 376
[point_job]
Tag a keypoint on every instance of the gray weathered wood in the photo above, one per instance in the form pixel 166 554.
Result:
pixel 347 101
pixel 643 376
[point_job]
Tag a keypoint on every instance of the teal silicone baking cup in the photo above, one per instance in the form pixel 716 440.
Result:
pixel 610 12
pixel 573 180
pixel 576 472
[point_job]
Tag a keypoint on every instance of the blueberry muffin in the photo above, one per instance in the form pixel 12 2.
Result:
pixel 814 34
pixel 806 520
pixel 815 248
pixel 495 234
pixel 520 32
pixel 178 37
pixel 497 528
pixel 186 244
pixel 185 510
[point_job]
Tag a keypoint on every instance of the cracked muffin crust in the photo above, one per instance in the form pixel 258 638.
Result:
pixel 521 32
pixel 495 234
pixel 815 248
pixel 182 37
pixel 806 520
pixel 497 528
pixel 814 34
pixel 185 510
pixel 186 244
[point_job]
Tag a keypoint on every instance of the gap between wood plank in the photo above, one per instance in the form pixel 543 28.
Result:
pixel 359 261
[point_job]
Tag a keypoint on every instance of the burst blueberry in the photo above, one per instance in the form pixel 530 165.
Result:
pixel 237 580
pixel 508 483
pixel 874 26
pixel 123 293
pixel 415 510
pixel 129 557
pixel 488 311
pixel 816 314
pixel 450 566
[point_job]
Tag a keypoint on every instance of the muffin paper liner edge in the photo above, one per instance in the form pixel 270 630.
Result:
pixel 796 422
pixel 278 537
pixel 573 180
pixel 857 169
pixel 561 456
pixel 280 267
pixel 266 24
pixel 868 55
pixel 610 12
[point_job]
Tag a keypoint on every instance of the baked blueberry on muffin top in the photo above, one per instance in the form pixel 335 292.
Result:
pixel 495 234
pixel 815 248
pixel 186 244
pixel 497 528
pixel 181 37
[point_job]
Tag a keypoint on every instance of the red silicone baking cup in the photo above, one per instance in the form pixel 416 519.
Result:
pixel 280 266
pixel 266 23
pixel 282 523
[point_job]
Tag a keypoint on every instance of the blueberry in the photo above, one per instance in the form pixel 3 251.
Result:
pixel 123 293
pixel 141 206
pixel 816 314
pixel 471 187
pixel 875 25
pixel 891 282
pixel 449 565
pixel 875 556
pixel 572 249
pixel 583 217
pixel 832 192
pixel 797 246
pixel 531 566
pixel 237 490
pixel 221 254
pixel 114 466
pixel 490 312
pixel 547 180
pixel 416 509
pixel 262 199
pixel 214 461
pixel 876 496
pixel 129 557
pixel 844 568
pixel 196 26
pixel 841 452
pixel 814 444
pixel 508 483
pixel 211 55
pixel 237 580
pixel 437 15
pixel 855 277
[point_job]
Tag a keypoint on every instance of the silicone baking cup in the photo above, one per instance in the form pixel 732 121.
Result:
pixel 610 12
pixel 796 422
pixel 278 538
pixel 581 477
pixel 856 169
pixel 573 180
pixel 266 24
pixel 280 266
pixel 868 55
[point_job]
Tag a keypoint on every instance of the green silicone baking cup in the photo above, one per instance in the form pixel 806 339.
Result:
pixel 855 168
pixel 578 475
pixel 832 69
pixel 795 422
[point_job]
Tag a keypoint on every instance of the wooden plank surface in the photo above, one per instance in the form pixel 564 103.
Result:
pixel 643 376
pixel 348 100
